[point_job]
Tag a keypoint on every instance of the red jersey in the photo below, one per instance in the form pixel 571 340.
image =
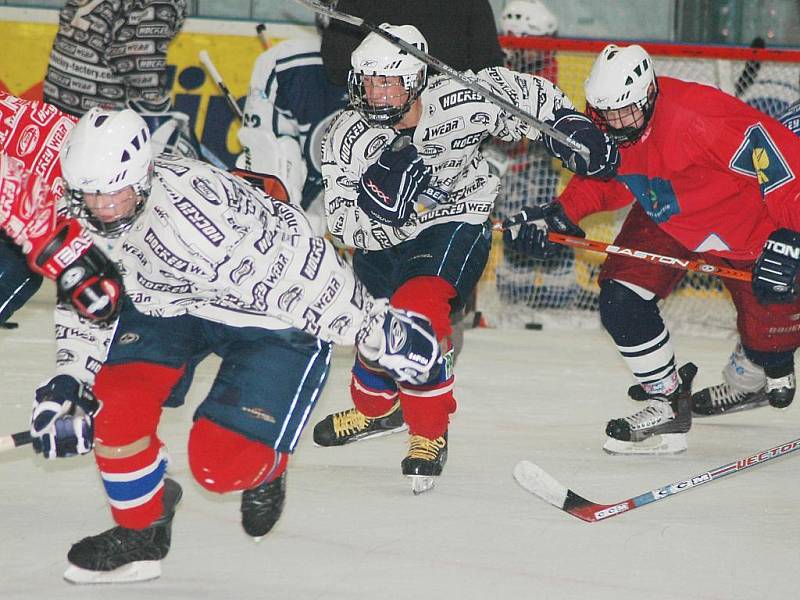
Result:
pixel 31 136
pixel 712 172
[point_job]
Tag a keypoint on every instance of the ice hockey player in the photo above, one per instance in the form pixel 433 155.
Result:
pixel 211 265
pixel 709 176
pixel 35 241
pixel 745 384
pixel 408 142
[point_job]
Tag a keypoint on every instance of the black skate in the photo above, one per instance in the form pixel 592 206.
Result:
pixel 660 427
pixel 780 390
pixel 351 425
pixel 262 507
pixel 722 398
pixel 425 460
pixel 122 555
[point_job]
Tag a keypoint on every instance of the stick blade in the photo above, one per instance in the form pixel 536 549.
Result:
pixel 540 483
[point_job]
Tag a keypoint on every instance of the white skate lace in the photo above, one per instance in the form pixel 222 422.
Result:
pixel 654 413
pixel 787 382
pixel 723 395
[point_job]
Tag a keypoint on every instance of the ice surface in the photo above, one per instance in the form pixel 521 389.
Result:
pixel 353 529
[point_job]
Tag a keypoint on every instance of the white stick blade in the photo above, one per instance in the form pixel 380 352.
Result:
pixel 540 483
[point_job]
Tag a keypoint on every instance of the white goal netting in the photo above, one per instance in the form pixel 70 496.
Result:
pixel 516 291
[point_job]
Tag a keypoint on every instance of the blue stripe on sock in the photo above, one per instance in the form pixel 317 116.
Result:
pixel 125 491
pixel 378 382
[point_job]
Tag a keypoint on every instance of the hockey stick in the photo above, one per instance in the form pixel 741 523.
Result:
pixel 698 266
pixel 538 482
pixel 15 440
pixel 466 81
pixel 205 59
pixel 261 33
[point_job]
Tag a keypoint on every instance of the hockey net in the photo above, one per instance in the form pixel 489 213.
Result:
pixel 517 292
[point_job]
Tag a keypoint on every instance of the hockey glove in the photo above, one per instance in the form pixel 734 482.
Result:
pixel 388 188
pixel 402 343
pixel 62 421
pixel 775 271
pixel 84 276
pixel 603 151
pixel 526 232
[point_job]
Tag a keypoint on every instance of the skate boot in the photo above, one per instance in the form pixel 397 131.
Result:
pixel 723 398
pixel 122 555
pixel 424 462
pixel 780 390
pixel 353 426
pixel 660 427
pixel 262 507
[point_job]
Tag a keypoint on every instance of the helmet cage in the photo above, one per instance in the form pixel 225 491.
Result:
pixel 76 206
pixel 383 109
pixel 637 113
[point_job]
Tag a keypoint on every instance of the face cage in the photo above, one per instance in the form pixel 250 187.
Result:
pixel 77 209
pixel 386 115
pixel 626 136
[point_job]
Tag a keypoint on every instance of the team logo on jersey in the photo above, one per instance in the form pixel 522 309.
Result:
pixel 458 98
pixel 203 187
pixel 480 118
pixel 468 140
pixel 340 324
pixel 289 299
pixel 759 157
pixel 349 139
pixel 28 139
pixel 432 150
pixel 442 129
pixel 244 270
pixel 375 146
pixel 655 195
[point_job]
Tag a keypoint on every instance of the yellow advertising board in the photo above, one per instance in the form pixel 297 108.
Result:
pixel 23 65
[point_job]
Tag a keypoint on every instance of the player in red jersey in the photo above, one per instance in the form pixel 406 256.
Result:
pixel 708 176
pixel 35 242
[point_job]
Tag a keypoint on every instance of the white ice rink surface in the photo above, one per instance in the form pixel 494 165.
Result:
pixel 352 529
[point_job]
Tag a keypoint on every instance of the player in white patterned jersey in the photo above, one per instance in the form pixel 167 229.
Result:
pixel 406 185
pixel 211 265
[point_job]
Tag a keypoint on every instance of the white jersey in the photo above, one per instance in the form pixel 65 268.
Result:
pixel 454 121
pixel 211 246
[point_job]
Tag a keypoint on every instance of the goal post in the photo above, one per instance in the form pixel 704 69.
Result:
pixel 515 291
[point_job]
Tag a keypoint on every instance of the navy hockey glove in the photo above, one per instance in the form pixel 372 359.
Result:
pixel 62 421
pixel 402 343
pixel 526 231
pixel 603 151
pixel 775 271
pixel 388 188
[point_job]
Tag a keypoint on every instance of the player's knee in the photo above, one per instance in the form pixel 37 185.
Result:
pixel 622 306
pixel 429 296
pixel 223 461
pixel 132 395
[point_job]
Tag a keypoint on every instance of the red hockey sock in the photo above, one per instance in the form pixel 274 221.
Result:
pixel 429 296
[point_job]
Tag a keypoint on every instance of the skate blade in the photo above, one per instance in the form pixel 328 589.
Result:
pixel 142 570
pixel 421 483
pixel 735 409
pixel 666 443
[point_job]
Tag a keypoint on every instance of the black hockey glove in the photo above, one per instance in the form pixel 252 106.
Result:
pixel 62 421
pixel 388 189
pixel 526 231
pixel 402 343
pixel 775 271
pixel 603 151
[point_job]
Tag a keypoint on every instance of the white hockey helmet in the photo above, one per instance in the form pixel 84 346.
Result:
pixel 527 17
pixel 106 152
pixel 622 79
pixel 378 59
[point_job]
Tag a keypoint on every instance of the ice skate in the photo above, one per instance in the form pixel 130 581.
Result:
pixel 351 425
pixel 424 462
pixel 723 398
pixel 262 507
pixel 121 555
pixel 780 390
pixel 660 427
